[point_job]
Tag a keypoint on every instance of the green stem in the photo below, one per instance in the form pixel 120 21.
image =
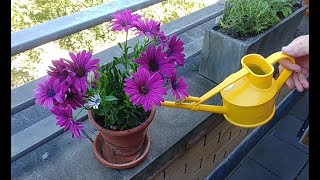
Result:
pixel 75 118
pixel 149 43
pixel 125 55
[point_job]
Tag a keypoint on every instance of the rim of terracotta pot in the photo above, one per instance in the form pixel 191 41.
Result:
pixel 130 164
pixel 125 132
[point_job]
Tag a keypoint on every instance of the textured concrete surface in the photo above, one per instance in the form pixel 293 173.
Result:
pixel 67 159
pixel 304 174
pixel 301 110
pixel 279 157
pixel 28 117
pixel 288 129
pixel 303 27
pixel 256 171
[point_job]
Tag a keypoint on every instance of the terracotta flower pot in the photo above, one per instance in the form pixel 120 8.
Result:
pixel 122 149
pixel 307 3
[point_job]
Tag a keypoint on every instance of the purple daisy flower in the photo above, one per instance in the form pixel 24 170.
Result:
pixel 64 119
pixel 49 93
pixel 72 97
pixel 80 66
pixel 175 49
pixel 60 71
pixel 145 90
pixel 123 20
pixel 178 87
pixel 161 38
pixel 150 28
pixel 154 60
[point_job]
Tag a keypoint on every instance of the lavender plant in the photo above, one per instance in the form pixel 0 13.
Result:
pixel 247 18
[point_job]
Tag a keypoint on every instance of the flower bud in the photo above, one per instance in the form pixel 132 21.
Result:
pixel 90 77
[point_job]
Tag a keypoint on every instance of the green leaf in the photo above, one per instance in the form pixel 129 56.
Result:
pixel 119 44
pixel 110 98
pixel 287 10
pixel 285 13
pixel 265 4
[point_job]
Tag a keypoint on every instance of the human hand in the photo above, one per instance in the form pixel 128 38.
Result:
pixel 299 50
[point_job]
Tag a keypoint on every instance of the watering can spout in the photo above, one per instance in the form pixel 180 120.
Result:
pixel 248 95
pixel 190 104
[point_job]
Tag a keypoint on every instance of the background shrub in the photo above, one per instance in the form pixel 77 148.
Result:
pixel 246 18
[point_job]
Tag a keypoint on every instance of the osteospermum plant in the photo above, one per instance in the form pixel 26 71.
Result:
pixel 122 93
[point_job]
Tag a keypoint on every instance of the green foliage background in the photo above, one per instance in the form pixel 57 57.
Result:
pixel 246 18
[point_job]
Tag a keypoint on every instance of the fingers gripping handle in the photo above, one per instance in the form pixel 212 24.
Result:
pixel 275 57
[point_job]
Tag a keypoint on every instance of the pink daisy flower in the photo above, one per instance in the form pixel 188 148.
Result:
pixel 49 93
pixel 60 71
pixel 80 66
pixel 64 119
pixel 150 28
pixel 174 49
pixel 144 89
pixel 123 20
pixel 154 60
pixel 178 87
pixel 72 97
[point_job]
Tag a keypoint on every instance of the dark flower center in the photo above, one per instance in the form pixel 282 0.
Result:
pixel 169 51
pixel 51 93
pixel 144 90
pixel 153 66
pixel 174 86
pixel 70 95
pixel 80 72
pixel 65 73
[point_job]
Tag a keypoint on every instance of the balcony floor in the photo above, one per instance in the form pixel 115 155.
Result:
pixel 279 155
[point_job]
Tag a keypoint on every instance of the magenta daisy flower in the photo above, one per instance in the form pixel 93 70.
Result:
pixel 145 90
pixel 49 93
pixel 64 119
pixel 154 60
pixel 80 66
pixel 150 28
pixel 123 20
pixel 161 38
pixel 178 87
pixel 175 49
pixel 72 97
pixel 59 71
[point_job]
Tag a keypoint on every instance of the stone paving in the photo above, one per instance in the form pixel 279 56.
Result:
pixel 279 155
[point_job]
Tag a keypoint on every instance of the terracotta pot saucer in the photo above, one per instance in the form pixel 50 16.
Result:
pixel 98 142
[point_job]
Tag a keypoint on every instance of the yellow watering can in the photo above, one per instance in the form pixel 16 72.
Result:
pixel 248 96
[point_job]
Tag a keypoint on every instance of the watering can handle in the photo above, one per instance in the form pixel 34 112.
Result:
pixel 285 74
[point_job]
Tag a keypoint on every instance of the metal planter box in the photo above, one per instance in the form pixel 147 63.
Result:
pixel 221 54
